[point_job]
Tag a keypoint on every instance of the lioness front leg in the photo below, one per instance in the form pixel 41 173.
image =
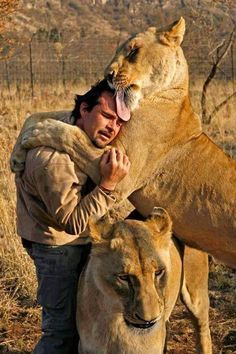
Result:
pixel 18 156
pixel 42 130
pixel 194 294
pixel 66 138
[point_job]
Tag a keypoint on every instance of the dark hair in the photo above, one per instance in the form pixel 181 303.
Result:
pixel 91 97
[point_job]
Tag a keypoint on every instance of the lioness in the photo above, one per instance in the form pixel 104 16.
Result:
pixel 130 285
pixel 173 163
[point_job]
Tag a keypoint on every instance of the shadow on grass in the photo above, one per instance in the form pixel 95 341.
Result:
pixel 5 350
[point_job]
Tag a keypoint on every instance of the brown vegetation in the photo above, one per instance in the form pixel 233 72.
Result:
pixel 7 7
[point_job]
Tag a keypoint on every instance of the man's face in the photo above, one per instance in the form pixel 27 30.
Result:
pixel 102 124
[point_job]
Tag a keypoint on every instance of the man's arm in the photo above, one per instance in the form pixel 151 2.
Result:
pixel 59 187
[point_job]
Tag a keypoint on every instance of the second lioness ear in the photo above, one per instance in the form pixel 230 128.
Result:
pixel 99 230
pixel 174 36
pixel 160 221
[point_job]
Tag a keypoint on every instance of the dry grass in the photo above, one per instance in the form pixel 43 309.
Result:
pixel 19 314
pixel 223 126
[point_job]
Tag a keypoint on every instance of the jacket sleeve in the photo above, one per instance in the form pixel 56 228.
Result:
pixel 59 186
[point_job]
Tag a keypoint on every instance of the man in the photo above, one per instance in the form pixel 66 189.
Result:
pixel 53 209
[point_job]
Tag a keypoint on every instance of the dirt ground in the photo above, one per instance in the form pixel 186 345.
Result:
pixel 222 286
pixel 23 328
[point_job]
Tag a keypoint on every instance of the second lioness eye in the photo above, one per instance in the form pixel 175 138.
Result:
pixel 159 273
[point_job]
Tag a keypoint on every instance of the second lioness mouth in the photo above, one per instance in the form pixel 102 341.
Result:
pixel 146 325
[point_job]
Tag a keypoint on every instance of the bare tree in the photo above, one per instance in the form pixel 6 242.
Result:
pixel 7 7
pixel 31 66
pixel 217 55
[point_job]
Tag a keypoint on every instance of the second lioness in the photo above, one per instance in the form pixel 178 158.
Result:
pixel 130 285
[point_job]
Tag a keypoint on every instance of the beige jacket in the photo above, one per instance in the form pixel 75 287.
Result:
pixel 50 206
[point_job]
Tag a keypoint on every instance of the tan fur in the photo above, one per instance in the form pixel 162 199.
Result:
pixel 138 249
pixel 173 164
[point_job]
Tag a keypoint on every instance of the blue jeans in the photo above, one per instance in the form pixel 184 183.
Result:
pixel 58 269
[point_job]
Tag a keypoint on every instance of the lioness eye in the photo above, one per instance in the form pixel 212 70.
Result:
pixel 132 54
pixel 159 273
pixel 123 277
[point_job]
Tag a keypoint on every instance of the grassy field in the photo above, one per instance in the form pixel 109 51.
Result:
pixel 19 314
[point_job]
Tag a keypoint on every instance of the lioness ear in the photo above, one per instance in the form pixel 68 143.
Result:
pixel 99 230
pixel 160 221
pixel 175 35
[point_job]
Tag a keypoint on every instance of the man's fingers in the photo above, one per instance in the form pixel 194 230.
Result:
pixel 119 156
pixel 126 160
pixel 113 158
pixel 105 157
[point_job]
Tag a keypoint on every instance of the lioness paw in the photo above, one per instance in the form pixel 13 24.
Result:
pixel 17 160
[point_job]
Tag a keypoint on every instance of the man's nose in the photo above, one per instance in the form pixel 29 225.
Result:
pixel 111 124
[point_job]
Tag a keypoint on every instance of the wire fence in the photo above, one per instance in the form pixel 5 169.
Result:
pixel 63 64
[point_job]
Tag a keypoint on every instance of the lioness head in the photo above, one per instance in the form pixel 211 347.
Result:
pixel 130 262
pixel 152 60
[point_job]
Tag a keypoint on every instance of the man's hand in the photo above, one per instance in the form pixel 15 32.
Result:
pixel 114 166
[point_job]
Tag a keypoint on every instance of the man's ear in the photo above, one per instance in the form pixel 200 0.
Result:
pixel 174 36
pixel 83 109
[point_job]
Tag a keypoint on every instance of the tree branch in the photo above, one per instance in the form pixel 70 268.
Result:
pixel 218 60
pixel 219 107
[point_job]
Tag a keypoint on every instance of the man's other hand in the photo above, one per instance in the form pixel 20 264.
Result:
pixel 114 167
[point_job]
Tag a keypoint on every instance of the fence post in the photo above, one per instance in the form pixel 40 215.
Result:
pixel 7 78
pixel 31 67
pixel 232 65
pixel 63 71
